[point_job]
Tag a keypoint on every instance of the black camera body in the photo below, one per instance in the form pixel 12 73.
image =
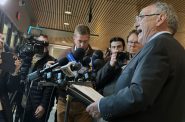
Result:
pixel 33 46
pixel 122 57
pixel 26 52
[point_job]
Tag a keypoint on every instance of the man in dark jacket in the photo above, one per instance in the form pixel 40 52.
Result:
pixel 77 111
pixel 8 83
pixel 151 87
pixel 112 69
pixel 107 76
pixel 41 98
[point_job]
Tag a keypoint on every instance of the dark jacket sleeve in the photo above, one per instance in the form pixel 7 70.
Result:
pixel 48 96
pixel 13 83
pixel 149 77
pixel 105 75
pixel 48 92
pixel 8 83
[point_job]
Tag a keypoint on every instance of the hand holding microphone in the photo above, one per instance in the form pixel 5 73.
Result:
pixel 76 56
pixel 49 63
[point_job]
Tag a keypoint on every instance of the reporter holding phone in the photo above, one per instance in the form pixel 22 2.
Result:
pixel 8 83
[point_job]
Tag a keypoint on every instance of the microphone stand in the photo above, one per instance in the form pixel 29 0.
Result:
pixel 68 101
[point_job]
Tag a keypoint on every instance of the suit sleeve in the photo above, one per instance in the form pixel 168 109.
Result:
pixel 146 84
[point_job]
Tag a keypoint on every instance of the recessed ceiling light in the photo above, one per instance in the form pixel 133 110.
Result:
pixel 67 12
pixel 66 23
pixel 63 41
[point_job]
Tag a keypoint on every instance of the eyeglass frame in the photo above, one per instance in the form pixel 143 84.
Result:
pixel 142 16
pixel 132 42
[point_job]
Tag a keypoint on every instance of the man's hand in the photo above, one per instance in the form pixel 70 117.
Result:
pixel 39 111
pixel 49 63
pixel 113 59
pixel 92 109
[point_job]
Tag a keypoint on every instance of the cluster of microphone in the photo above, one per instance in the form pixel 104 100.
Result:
pixel 74 65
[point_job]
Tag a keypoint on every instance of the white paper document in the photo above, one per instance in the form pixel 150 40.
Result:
pixel 88 91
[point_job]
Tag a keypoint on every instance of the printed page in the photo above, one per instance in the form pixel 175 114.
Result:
pixel 88 91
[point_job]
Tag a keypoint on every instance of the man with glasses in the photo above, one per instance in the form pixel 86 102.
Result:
pixel 133 45
pixel 151 87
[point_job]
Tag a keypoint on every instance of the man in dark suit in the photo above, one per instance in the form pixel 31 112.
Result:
pixel 151 88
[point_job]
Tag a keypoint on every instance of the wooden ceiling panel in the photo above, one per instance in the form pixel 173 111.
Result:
pixel 109 17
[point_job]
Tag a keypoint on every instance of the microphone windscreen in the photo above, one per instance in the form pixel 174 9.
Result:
pixel 86 60
pixel 98 63
pixel 79 54
pixel 63 61
pixel 75 67
pixel 98 54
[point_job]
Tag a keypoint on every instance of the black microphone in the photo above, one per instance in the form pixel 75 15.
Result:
pixel 38 73
pixel 71 66
pixel 98 64
pixel 86 61
pixel 98 54
pixel 61 62
pixel 75 67
pixel 76 56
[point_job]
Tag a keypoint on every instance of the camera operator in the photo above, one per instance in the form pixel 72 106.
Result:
pixel 41 98
pixel 111 70
pixel 8 83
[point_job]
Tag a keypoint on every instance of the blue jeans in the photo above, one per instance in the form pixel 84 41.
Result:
pixel 2 118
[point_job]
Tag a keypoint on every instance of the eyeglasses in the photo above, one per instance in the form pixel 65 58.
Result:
pixel 131 42
pixel 140 17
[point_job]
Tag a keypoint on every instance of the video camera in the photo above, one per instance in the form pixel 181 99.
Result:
pixel 32 46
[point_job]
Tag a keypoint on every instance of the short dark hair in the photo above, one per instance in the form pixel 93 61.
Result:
pixel 117 39
pixel 132 32
pixel 82 30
